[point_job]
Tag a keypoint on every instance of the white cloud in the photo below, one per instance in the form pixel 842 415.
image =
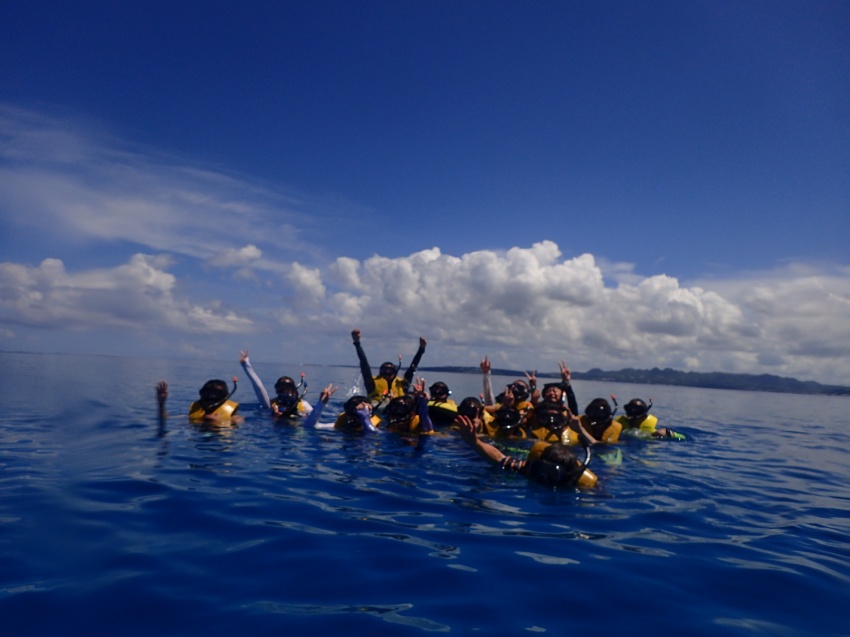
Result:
pixel 236 257
pixel 137 295
pixel 538 307
pixel 80 184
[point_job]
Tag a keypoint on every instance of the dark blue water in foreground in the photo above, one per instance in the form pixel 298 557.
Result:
pixel 109 527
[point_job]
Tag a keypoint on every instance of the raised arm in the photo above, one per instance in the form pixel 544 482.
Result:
pixel 567 386
pixel 408 375
pixel 489 398
pixel 365 370
pixel 256 383
pixel 161 397
pixel 324 397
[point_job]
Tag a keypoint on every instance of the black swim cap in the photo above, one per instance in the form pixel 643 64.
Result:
pixel 213 390
pixel 400 409
pixel 350 406
pixel 470 407
pixel 551 415
pixel 598 411
pixel 636 407
pixel 285 384
pixel 439 389
pixel 508 419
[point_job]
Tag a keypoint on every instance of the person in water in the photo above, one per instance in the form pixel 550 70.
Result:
pixel 561 392
pixel 638 419
pixel 387 384
pixel 598 421
pixel 287 403
pixel 356 416
pixel 517 395
pixel 410 414
pixel 553 464
pixel 212 407
pixel 441 408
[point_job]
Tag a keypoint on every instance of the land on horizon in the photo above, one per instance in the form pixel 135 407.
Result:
pixel 656 376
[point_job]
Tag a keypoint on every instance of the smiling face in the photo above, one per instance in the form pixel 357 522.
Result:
pixel 552 393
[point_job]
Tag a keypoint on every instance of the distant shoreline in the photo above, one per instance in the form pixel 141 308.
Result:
pixel 656 376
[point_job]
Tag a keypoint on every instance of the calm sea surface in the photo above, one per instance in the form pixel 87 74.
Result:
pixel 109 526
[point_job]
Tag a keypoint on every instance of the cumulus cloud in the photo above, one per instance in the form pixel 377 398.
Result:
pixel 137 295
pixel 534 305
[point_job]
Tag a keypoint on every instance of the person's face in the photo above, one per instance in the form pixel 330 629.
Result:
pixel 553 394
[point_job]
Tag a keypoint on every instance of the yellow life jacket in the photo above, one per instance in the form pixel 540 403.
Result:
pixel 343 423
pixel 383 391
pixel 648 424
pixel 611 433
pixel 442 412
pixel 411 428
pixel 587 479
pixel 197 412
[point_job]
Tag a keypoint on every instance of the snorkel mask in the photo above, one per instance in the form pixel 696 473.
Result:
pixel 470 407
pixel 213 391
pixel 440 392
pixel 636 408
pixel 387 370
pixel 351 405
pixel 508 419
pixel 399 411
pixel 551 416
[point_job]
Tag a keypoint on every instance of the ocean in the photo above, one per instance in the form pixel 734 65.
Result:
pixel 110 525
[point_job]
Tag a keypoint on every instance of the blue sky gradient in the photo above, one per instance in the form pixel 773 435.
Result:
pixel 614 183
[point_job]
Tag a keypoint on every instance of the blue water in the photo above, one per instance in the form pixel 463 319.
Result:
pixel 109 526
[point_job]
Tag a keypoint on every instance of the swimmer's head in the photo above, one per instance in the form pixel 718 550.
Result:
pixel 439 391
pixel 636 408
pixel 598 411
pixel 351 405
pixel 550 415
pixel 213 391
pixel 286 404
pixel 553 464
pixel 388 370
pixel 553 392
pixel 508 419
pixel 400 410
pixel 520 390
pixel 471 407
pixel 285 385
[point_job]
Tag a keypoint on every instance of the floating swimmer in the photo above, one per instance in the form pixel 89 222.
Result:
pixel 386 385
pixel 356 416
pixel 553 464
pixel 441 408
pixel 598 420
pixel 214 404
pixel 638 419
pixel 288 402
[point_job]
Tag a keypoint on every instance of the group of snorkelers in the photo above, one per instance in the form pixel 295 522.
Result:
pixel 401 404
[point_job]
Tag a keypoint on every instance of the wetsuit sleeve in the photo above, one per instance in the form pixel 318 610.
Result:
pixel 425 424
pixel 571 397
pixel 411 371
pixel 256 383
pixel 365 370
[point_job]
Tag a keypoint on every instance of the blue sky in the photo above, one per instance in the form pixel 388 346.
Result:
pixel 614 183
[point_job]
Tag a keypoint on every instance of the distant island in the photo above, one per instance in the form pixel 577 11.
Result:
pixel 655 376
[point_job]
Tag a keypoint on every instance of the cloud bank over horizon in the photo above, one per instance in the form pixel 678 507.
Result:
pixel 216 260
